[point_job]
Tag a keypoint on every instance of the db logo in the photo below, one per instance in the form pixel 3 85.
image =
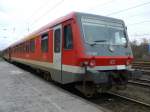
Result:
pixel 112 62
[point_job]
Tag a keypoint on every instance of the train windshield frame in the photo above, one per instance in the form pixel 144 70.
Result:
pixel 103 32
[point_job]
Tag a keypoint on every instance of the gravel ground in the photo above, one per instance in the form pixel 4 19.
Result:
pixel 136 92
pixel 117 104
pixel 146 76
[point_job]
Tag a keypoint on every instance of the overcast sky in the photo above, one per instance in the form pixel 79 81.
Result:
pixel 20 17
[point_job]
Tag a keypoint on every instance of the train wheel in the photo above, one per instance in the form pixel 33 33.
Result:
pixel 47 76
pixel 87 90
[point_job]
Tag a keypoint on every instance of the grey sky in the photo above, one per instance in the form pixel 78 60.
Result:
pixel 20 17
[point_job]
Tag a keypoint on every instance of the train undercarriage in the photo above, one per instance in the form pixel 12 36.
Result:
pixel 95 82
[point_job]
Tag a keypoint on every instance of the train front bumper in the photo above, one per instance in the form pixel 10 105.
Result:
pixel 108 74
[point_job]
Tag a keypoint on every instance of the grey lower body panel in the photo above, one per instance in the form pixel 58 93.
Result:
pixel 68 77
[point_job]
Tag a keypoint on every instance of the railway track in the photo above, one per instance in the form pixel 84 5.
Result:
pixel 145 80
pixel 144 67
pixel 115 102
pixel 140 82
pixel 129 99
pixel 141 64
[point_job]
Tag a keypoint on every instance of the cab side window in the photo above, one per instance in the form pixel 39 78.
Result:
pixel 44 42
pixel 68 39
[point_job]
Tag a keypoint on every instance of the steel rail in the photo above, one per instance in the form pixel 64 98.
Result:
pixel 139 83
pixel 129 99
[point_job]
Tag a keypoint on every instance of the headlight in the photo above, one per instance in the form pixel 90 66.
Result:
pixel 128 62
pixel 92 63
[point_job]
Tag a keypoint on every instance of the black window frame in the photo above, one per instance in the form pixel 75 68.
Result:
pixel 68 36
pixel 44 42
pixel 24 47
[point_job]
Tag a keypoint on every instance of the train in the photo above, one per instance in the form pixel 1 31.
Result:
pixel 90 51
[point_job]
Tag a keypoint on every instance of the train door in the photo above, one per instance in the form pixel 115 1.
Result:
pixel 57 53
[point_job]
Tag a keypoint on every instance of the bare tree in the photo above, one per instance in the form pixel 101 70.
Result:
pixel 140 51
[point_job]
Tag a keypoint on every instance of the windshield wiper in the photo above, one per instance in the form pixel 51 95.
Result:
pixel 95 42
pixel 92 44
pixel 100 41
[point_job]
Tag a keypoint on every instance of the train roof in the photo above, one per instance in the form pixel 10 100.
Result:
pixel 62 19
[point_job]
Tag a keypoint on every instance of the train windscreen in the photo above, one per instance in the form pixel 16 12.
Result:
pixel 103 32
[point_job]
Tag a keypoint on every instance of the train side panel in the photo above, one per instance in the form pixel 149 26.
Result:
pixel 70 70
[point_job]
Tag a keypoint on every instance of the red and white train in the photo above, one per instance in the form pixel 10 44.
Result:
pixel 84 49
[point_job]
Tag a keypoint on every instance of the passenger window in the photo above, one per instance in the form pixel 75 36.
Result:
pixel 68 39
pixel 27 47
pixel 44 43
pixel 57 40
pixel 24 47
pixel 32 45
